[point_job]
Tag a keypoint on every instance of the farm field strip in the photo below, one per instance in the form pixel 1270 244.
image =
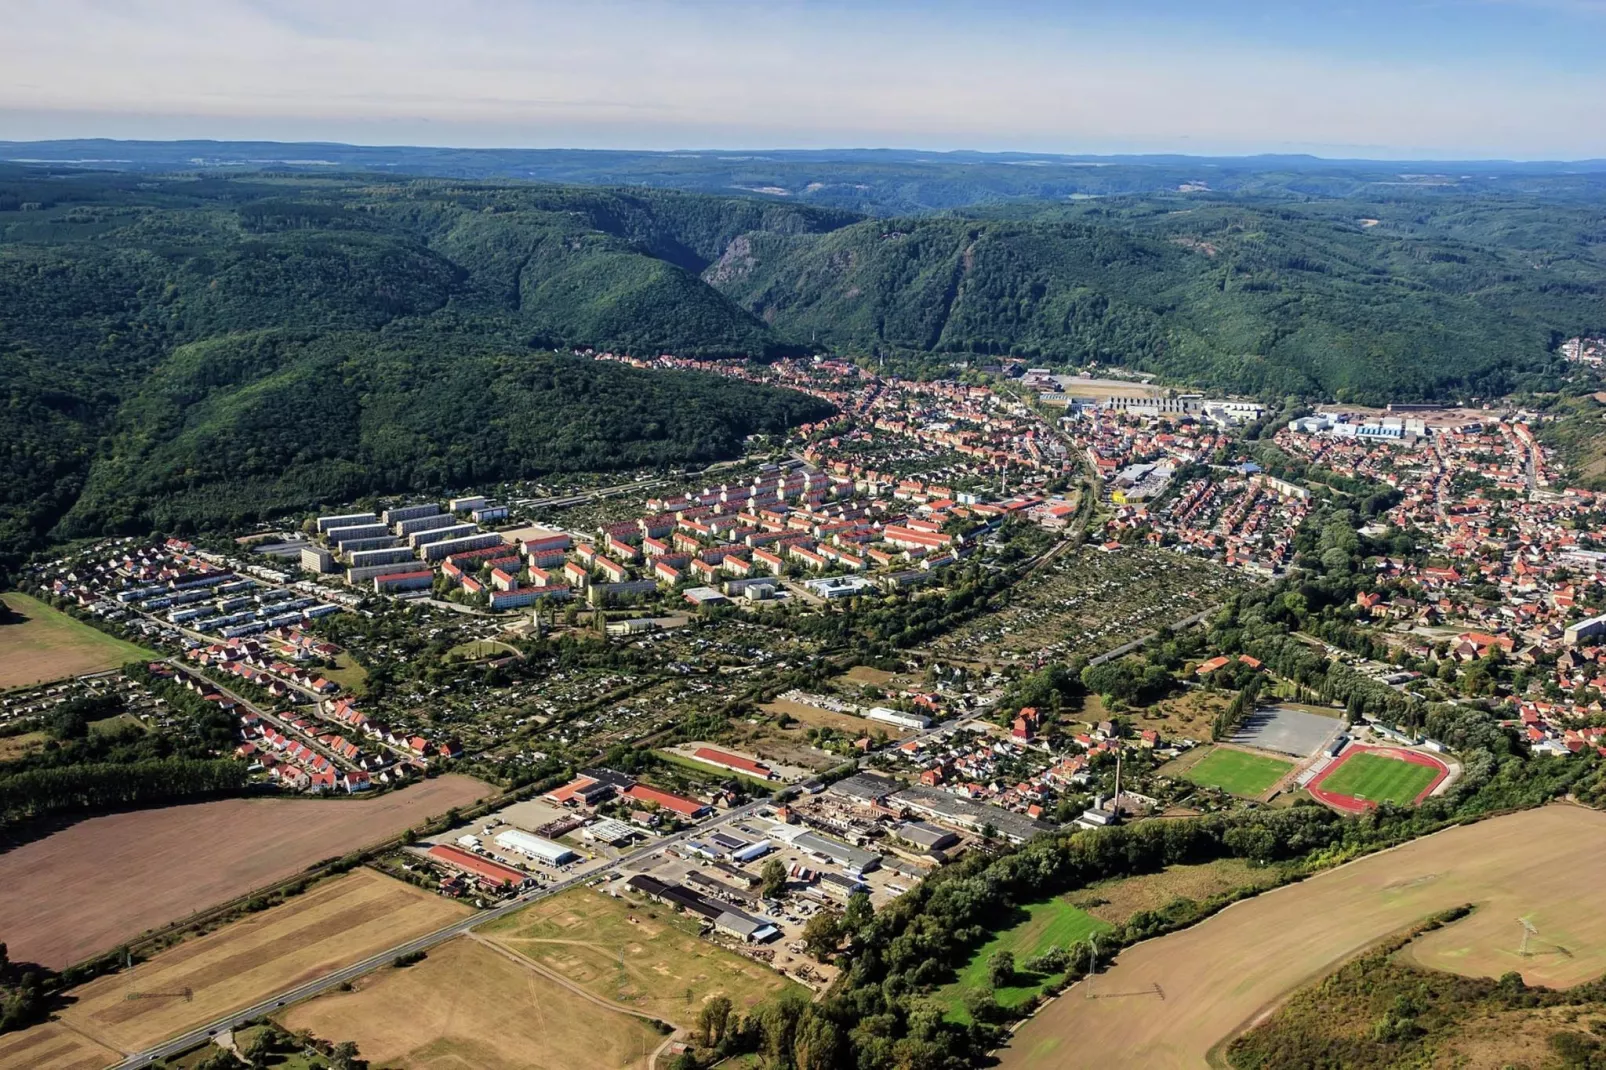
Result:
pixel 466 1005
pixel 636 956
pixel 105 880
pixel 333 924
pixel 1220 975
pixel 53 1046
pixel 50 645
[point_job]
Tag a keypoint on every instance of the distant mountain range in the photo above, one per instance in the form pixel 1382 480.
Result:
pixel 871 181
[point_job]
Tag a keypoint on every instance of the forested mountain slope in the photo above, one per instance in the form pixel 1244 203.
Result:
pixel 1242 298
pixel 165 341
pixel 188 351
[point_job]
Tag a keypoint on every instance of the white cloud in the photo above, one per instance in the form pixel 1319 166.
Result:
pixel 612 72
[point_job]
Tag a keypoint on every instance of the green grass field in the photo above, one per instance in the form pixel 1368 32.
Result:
pixel 1378 779
pixel 1238 772
pixel 1054 923
pixel 47 644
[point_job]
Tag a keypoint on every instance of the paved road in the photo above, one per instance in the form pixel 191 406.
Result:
pixel 317 986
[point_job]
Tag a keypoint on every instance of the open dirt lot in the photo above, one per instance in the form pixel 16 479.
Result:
pixel 49 645
pixel 654 963
pixel 106 880
pixel 1220 976
pixel 52 1046
pixel 466 1005
pixel 334 924
pixel 842 722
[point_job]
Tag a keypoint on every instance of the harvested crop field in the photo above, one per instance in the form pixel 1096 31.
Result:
pixel 468 1005
pixel 333 924
pixel 637 955
pixel 52 1046
pixel 1168 1002
pixel 106 880
pixel 47 644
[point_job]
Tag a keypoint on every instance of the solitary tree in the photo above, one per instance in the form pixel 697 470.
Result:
pixel 1001 968
pixel 774 877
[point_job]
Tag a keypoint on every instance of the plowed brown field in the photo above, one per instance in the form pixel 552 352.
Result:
pixel 104 881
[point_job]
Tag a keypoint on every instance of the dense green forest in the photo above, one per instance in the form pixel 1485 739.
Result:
pixel 189 352
pixel 193 350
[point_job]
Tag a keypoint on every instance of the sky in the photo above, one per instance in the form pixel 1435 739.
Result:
pixel 1401 79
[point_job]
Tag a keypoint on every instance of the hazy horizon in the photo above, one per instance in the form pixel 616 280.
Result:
pixel 1424 80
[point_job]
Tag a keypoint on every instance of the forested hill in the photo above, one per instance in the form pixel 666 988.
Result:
pixel 192 349
pixel 181 352
pixel 1370 303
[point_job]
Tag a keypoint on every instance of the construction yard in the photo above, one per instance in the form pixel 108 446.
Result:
pixel 48 645
pixel 333 924
pixel 104 881
pixel 1174 1000
pixel 469 1004
pixel 636 955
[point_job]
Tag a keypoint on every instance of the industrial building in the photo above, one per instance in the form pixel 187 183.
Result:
pixel 975 816
pixel 898 717
pixel 490 874
pixel 533 846
pixel 849 858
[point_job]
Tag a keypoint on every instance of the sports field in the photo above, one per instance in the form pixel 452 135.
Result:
pixel 1239 772
pixel 332 925
pixel 636 954
pixel 1169 1002
pixel 467 1005
pixel 49 645
pixel 103 881
pixel 1053 923
pixel 1365 776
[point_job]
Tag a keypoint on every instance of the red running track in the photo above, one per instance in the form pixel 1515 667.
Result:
pixel 1351 805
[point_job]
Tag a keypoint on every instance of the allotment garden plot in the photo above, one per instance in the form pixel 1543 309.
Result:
pixel 1087 602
